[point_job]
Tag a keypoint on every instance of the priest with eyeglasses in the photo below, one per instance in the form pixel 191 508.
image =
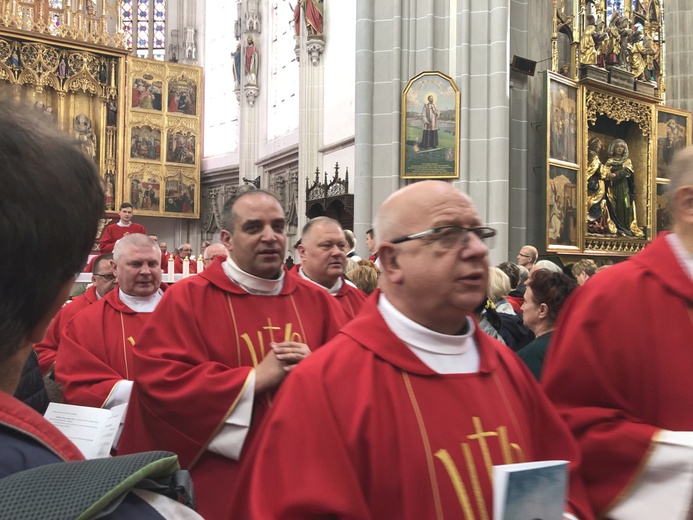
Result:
pixel 404 413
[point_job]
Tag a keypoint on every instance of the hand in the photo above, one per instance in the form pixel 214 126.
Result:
pixel 290 353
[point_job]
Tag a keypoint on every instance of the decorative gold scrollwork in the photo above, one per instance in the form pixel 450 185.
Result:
pixel 619 109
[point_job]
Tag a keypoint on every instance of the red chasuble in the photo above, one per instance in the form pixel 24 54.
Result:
pixel 178 265
pixel 194 361
pixel 619 365
pixel 364 430
pixel 114 232
pixel 96 350
pixel 47 350
pixel 349 297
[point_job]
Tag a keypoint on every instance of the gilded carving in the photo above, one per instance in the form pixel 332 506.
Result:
pixel 619 109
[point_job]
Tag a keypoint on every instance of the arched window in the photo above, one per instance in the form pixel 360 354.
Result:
pixel 144 24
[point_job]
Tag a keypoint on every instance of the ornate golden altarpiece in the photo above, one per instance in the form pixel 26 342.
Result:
pixel 609 136
pixel 71 64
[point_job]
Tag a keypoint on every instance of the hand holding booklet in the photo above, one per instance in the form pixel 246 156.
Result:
pixel 93 430
pixel 530 490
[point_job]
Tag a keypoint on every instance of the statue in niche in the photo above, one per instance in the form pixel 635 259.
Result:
pixel 598 204
pixel 314 16
pixel 237 66
pixel 251 63
pixel 622 189
pixel 85 135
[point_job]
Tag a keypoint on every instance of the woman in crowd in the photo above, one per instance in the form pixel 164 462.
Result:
pixel 545 295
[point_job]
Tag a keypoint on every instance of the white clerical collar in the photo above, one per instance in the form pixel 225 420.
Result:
pixel 684 257
pixel 250 283
pixel 141 303
pixel 332 290
pixel 443 353
pixel 124 225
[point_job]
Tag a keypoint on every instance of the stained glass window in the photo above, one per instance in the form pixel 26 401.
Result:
pixel 149 19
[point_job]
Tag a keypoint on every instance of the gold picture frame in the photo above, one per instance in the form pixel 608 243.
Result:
pixel 430 128
pixel 673 132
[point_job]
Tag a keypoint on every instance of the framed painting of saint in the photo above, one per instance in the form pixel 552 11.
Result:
pixel 562 117
pixel 147 93
pixel 430 128
pixel 182 97
pixel 562 208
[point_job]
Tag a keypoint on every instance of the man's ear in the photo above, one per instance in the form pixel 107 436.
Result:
pixel 301 252
pixel 389 262
pixel 226 239
pixel 36 334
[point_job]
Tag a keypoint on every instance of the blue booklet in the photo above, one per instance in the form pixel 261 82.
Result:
pixel 530 490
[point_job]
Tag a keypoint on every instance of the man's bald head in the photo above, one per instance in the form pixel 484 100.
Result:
pixel 212 251
pixel 439 276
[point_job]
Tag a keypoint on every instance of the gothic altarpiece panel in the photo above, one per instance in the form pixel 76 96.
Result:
pixel 608 134
pixel 164 136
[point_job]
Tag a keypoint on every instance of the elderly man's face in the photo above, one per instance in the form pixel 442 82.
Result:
pixel 258 240
pixel 138 270
pixel 323 253
pixel 437 282
pixel 185 251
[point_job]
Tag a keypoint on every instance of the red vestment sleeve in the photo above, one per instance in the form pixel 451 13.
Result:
pixel 592 380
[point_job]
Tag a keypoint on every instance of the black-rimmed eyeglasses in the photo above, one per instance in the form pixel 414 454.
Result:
pixel 107 277
pixel 450 237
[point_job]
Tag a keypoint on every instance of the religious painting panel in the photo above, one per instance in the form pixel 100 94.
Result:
pixel 562 208
pixel 673 134
pixel 182 96
pixel 143 188
pixel 663 207
pixel 181 193
pixel 145 143
pixel 430 128
pixel 181 146
pixel 562 117
pixel 146 93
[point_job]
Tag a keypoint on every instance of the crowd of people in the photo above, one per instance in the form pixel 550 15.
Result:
pixel 343 387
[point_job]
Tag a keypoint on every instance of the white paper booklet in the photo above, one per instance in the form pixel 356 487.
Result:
pixel 93 430
pixel 530 490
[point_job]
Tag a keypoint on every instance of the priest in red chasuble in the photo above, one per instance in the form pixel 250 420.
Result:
pixel 619 367
pixel 103 281
pixel 405 412
pixel 95 356
pixel 323 250
pixel 218 346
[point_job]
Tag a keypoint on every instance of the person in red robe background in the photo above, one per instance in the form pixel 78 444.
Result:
pixel 403 414
pixel 103 281
pixel 184 251
pixel 94 362
pixel 218 346
pixel 323 260
pixel 118 230
pixel 618 369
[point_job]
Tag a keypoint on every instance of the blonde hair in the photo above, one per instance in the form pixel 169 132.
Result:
pixel 365 278
pixel 498 284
